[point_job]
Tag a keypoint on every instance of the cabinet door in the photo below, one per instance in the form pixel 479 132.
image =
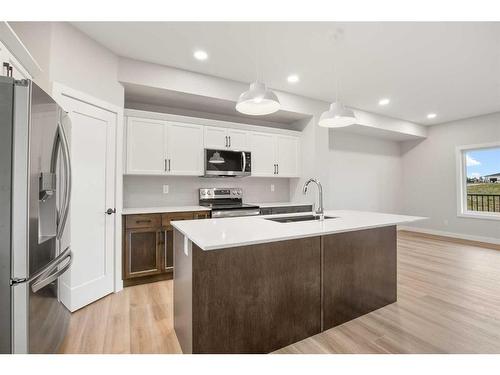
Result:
pixel 287 155
pixel 145 146
pixel 215 138
pixel 237 140
pixel 143 252
pixel 184 149
pixel 263 154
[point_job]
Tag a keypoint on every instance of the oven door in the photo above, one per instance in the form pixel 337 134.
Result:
pixel 220 163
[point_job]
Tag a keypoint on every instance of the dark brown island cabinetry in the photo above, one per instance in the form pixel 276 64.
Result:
pixel 259 298
pixel 359 273
pixel 148 245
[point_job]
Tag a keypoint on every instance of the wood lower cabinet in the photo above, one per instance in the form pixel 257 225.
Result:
pixel 148 245
pixel 142 253
pixel 359 273
pixel 259 298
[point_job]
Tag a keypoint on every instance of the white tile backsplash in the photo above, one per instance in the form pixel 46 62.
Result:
pixel 147 191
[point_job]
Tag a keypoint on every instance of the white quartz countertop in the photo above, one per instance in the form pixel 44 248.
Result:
pixel 280 204
pixel 211 234
pixel 157 210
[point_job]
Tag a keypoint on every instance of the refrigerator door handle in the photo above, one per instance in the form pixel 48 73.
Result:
pixel 61 140
pixel 46 276
pixel 46 270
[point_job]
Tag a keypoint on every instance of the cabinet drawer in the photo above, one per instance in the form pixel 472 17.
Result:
pixel 143 221
pixel 168 217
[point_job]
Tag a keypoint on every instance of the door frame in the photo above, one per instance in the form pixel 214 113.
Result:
pixel 59 91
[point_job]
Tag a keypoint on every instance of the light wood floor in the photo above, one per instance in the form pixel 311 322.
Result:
pixel 448 302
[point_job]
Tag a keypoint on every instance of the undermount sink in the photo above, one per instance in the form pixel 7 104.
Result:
pixel 293 219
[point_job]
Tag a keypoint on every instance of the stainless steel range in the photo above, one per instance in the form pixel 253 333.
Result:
pixel 226 202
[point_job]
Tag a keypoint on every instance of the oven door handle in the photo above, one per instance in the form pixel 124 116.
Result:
pixel 235 213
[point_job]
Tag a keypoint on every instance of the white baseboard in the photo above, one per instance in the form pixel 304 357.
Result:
pixel 461 236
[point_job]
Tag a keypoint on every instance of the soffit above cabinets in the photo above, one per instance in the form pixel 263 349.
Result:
pixel 175 102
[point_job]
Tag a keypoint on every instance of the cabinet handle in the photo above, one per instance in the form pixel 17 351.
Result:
pixel 229 141
pixel 226 141
pixel 169 169
pixel 142 221
pixel 277 169
pixel 165 165
pixel 165 248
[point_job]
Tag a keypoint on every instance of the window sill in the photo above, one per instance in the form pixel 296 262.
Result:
pixel 479 215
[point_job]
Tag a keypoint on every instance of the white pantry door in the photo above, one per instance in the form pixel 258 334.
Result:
pixel 92 231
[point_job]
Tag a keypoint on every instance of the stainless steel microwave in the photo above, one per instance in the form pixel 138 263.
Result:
pixel 225 163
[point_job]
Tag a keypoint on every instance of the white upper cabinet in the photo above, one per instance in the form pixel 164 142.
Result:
pixel 145 146
pixel 263 150
pixel 287 155
pixel 161 147
pixel 238 140
pixel 184 152
pixel 215 137
pixel 168 147
pixel 226 139
pixel 274 155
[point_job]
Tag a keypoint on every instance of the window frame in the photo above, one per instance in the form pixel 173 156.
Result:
pixel 462 210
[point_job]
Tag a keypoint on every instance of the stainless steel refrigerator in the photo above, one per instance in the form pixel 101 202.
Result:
pixel 35 191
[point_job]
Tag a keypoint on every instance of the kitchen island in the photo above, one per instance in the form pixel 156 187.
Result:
pixel 253 285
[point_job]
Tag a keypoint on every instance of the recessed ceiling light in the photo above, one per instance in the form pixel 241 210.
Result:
pixel 384 101
pixel 431 115
pixel 293 78
pixel 200 55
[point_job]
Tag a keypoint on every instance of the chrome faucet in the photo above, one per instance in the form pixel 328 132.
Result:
pixel 319 210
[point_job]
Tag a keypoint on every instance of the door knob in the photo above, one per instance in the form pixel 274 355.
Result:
pixel 110 211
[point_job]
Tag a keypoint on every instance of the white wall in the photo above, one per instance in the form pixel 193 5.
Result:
pixel 429 175
pixel 363 173
pixel 357 172
pixel 83 64
pixel 68 56
pixel 147 191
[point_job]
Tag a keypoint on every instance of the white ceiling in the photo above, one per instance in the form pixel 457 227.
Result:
pixel 452 69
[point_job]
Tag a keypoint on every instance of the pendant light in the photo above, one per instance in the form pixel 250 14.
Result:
pixel 258 100
pixel 338 115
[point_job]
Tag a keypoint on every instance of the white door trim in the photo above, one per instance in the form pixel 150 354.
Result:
pixel 59 91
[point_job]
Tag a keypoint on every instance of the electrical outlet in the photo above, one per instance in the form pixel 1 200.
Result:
pixel 165 189
pixel 272 187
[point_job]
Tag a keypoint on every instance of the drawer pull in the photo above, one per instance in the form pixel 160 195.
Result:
pixel 142 221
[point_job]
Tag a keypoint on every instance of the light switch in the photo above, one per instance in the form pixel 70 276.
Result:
pixel 165 189
pixel 272 187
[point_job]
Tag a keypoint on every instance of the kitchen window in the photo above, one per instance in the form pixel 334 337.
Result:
pixel 478 172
